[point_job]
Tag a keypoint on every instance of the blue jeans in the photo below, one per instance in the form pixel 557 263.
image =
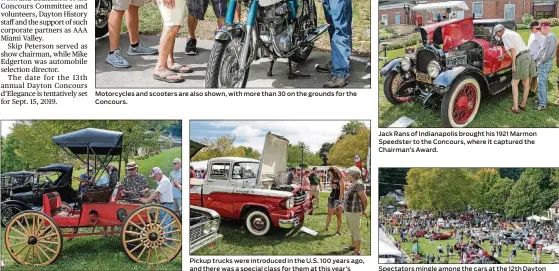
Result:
pixel 167 220
pixel 339 14
pixel 543 73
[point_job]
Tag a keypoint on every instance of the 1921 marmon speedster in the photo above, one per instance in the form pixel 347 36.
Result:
pixel 149 233
pixel 28 195
pixel 457 63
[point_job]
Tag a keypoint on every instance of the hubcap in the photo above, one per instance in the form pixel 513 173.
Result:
pixel 258 223
pixel 152 236
pixel 32 240
pixel 394 86
pixel 464 104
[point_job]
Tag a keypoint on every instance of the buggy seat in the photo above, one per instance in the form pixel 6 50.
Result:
pixel 52 205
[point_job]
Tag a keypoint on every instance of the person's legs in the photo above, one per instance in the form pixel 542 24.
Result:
pixel 115 21
pixel 220 10
pixel 515 94
pixel 327 67
pixel 196 11
pixel 543 74
pixel 338 221
pixel 341 12
pixel 133 23
pixel 173 19
pixel 329 218
pixel 192 23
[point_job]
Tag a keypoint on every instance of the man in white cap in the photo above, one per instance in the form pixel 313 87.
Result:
pixel 176 179
pixel 523 66
pixel 164 192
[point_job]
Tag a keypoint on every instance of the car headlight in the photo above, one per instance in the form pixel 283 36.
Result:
pixel 290 203
pixel 434 69
pixel 405 64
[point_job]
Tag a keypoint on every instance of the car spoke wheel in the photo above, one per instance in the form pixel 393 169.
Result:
pixel 461 102
pixel 8 212
pixel 257 222
pixel 392 85
pixel 32 238
pixel 152 234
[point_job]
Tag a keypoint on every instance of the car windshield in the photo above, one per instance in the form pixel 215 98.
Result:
pixel 245 170
pixel 48 176
pixel 483 31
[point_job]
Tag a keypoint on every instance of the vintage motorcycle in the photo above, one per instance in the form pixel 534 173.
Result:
pixel 102 10
pixel 273 28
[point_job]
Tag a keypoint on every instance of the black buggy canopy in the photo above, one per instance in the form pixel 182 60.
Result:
pixel 195 147
pixel 101 142
pixel 65 171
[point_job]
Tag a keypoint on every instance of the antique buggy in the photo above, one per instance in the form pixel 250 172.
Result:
pixel 28 194
pixel 457 64
pixel 149 233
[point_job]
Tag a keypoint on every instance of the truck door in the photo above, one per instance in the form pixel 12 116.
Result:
pixel 244 178
pixel 218 190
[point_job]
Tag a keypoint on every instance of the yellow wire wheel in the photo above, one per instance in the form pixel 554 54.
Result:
pixel 152 234
pixel 33 238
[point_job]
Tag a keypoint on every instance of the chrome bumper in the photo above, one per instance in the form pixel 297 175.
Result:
pixel 289 223
pixel 205 244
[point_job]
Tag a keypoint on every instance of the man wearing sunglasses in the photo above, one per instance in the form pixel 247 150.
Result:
pixel 134 183
pixel 176 179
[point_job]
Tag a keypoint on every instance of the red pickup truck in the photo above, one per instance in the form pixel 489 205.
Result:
pixel 253 190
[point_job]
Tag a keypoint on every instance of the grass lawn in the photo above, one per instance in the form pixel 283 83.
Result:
pixel 237 241
pixel 492 112
pixel 91 253
pixel 151 24
pixel 523 256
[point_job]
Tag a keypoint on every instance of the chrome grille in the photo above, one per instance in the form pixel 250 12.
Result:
pixel 197 231
pixel 300 199
pixel 423 59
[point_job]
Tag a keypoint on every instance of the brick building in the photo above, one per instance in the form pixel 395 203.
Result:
pixel 393 11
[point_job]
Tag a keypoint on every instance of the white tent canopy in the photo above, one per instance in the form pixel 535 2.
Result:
pixel 534 218
pixel 460 5
pixel 386 247
pixel 543 218
pixel 199 165
pixel 398 213
pixel 403 202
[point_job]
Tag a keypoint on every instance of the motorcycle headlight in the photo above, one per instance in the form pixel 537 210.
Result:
pixel 405 64
pixel 434 69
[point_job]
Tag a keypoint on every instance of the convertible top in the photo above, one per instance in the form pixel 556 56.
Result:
pixel 56 167
pixel 101 142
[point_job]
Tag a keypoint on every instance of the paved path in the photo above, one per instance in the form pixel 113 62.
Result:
pixel 140 74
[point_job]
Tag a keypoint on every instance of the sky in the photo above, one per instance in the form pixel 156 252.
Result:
pixel 6 127
pixel 252 133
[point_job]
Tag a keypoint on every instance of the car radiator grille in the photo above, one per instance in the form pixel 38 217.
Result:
pixel 197 231
pixel 423 59
pixel 300 199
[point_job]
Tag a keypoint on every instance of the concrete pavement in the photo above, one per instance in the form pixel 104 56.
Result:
pixel 140 74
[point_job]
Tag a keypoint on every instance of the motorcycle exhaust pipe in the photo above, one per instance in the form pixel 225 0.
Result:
pixel 313 36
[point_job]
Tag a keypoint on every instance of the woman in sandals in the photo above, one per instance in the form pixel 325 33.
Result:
pixel 167 70
pixel 355 205
pixel 337 183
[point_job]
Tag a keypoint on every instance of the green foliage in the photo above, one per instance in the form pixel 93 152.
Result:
pixel 499 193
pixel 385 33
pixel 309 158
pixel 32 139
pixel 440 189
pixel 224 147
pixel 10 160
pixel 174 129
pixel 522 26
pixel 355 141
pixel 483 198
pixel 523 198
pixel 410 40
pixel 391 179
pixel 388 201
pixel 527 18
pixel 512 173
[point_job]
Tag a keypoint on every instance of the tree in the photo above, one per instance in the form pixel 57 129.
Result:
pixel 351 128
pixel 323 152
pixel 10 160
pixel 174 129
pixel 294 155
pixel 388 201
pixel 345 148
pixel 439 189
pixel 512 173
pixel 391 179
pixel 482 198
pixel 499 194
pixel 251 153
pixel 223 147
pixel 523 196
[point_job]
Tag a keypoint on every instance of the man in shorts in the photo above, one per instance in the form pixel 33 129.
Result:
pixel 166 69
pixel 196 11
pixel 523 66
pixel 130 7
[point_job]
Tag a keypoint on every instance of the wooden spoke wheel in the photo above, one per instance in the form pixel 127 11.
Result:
pixel 32 238
pixel 152 234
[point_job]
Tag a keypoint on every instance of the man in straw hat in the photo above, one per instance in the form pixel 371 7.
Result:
pixel 523 66
pixel 134 183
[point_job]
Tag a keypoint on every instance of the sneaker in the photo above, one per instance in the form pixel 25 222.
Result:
pixel 117 60
pixel 324 68
pixel 337 234
pixel 540 107
pixel 141 50
pixel 335 82
pixel 190 48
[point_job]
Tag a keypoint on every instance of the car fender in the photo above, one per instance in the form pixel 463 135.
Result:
pixel 393 65
pixel 446 78
pixel 244 209
pixel 21 204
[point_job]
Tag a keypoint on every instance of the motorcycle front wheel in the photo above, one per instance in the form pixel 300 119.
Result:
pixel 223 66
pixel 102 17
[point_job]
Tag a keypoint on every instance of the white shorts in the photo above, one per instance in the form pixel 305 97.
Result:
pixel 173 16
